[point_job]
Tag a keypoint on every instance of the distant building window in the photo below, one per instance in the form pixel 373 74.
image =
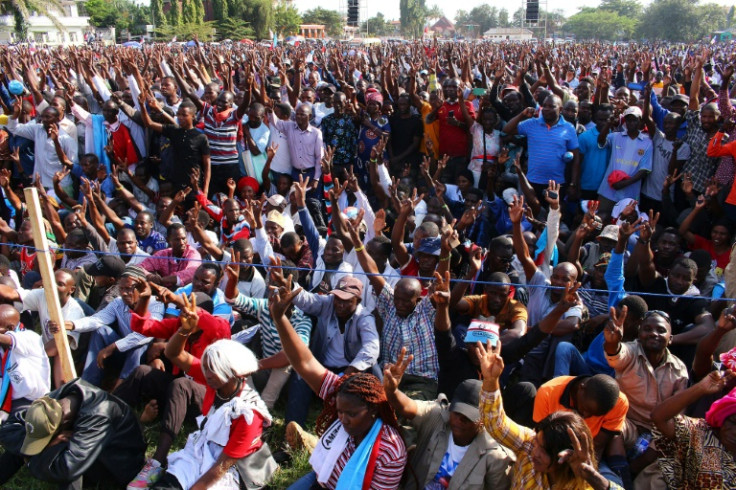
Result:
pixel 68 11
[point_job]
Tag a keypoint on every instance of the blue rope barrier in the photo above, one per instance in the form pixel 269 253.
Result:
pixel 421 278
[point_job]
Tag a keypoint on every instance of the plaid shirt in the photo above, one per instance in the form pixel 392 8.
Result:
pixel 699 166
pixel 415 332
pixel 520 440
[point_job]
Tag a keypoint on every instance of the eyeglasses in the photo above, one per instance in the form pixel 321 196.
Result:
pixel 661 313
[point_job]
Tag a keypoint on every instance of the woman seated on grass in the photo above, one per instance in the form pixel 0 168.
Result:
pixel 360 446
pixel 234 414
pixel 558 454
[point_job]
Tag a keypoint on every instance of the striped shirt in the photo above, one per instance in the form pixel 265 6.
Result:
pixel 518 439
pixel 391 458
pixel 270 341
pixel 221 135
pixel 416 331
pixel 547 145
pixel 118 311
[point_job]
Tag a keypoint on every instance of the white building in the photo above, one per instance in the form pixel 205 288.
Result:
pixel 42 31
pixel 499 34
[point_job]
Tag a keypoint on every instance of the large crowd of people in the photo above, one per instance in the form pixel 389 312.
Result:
pixel 499 265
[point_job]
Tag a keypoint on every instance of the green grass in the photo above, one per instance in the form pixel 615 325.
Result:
pixel 288 473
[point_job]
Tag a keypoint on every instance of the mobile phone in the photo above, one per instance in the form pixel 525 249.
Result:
pixel 478 91
pixel 551 194
pixel 450 113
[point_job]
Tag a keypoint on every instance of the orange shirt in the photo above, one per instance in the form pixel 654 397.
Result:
pixel 554 396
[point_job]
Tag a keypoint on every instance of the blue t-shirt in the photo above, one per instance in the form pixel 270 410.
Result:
pixel 221 307
pixel 547 146
pixel 594 160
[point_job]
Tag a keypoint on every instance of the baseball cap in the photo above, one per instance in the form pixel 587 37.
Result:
pixel 348 288
pixel 633 111
pixel 109 265
pixel 430 245
pixel 481 331
pixel 466 399
pixel 43 419
pixel 609 232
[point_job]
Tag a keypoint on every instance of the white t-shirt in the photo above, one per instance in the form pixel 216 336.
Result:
pixel 29 372
pixel 35 300
pixel 449 464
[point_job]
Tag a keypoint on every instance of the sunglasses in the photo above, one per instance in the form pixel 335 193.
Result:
pixel 661 313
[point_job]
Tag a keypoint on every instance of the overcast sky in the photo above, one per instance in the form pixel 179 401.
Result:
pixel 390 8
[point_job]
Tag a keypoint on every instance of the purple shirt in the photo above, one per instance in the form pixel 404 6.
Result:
pixel 305 147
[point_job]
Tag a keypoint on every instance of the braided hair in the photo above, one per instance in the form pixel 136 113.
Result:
pixel 367 388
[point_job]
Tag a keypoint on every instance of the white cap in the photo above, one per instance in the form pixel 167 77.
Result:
pixel 633 111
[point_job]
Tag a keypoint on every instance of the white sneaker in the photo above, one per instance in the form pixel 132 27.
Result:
pixel 150 473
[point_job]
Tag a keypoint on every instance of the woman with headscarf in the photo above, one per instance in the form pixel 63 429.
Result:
pixel 373 126
pixel 697 453
pixel 360 446
pixel 234 417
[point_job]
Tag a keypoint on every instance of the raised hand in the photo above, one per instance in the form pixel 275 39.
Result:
pixel 687 184
pixel 281 298
pixel 489 359
pixel 188 314
pixel 475 260
pixel 233 268
pixel 61 174
pixel 578 457
pixel 614 331
pixel 552 194
pixel 352 183
pixel 626 229
pixel 648 228
pixel 276 273
pixel 441 294
pixel 516 209
pixel 392 373
pixel 379 223
pixel 570 297
pixel 300 191
pixel 715 381
pixel 326 161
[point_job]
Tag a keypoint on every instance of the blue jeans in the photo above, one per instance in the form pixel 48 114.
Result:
pixel 300 397
pixel 101 338
pixel 569 361
pixel 305 483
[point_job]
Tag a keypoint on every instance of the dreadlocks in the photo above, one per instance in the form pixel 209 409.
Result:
pixel 366 387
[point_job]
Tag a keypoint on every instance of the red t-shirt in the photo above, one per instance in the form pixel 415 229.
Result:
pixel 453 140
pixel 244 438
pixel 722 259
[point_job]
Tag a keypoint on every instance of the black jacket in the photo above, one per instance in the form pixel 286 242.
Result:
pixel 106 432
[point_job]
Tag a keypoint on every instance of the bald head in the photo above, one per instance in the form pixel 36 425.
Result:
pixel 9 318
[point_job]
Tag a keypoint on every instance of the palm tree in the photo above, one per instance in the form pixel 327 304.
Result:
pixel 21 11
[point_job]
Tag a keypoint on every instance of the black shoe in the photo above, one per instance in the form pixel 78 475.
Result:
pixel 281 457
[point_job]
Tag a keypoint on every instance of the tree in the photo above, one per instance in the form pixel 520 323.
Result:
pixel 198 11
pixel 331 19
pixel 600 24
pixel 22 9
pixel 219 8
pixel 435 12
pixel 124 15
pixel 174 13
pixel 204 31
pixel 413 13
pixel 234 28
pixel 157 13
pixel 477 21
pixel 102 13
pixel 378 26
pixel 681 20
pixel 518 18
pixel 286 19
pixel 259 13
pixel 624 8
pixel 188 13
pixel 503 18
pixel 730 16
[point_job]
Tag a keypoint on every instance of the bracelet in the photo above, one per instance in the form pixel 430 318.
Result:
pixel 444 259
pixel 179 333
pixel 119 188
pixel 642 241
pixel 360 249
pixel 374 160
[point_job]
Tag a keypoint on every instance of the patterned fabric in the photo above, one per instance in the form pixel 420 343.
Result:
pixel 258 308
pixel 695 458
pixel 520 440
pixel 340 132
pixel 699 166
pixel 391 458
pixel 726 168
pixel 416 331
